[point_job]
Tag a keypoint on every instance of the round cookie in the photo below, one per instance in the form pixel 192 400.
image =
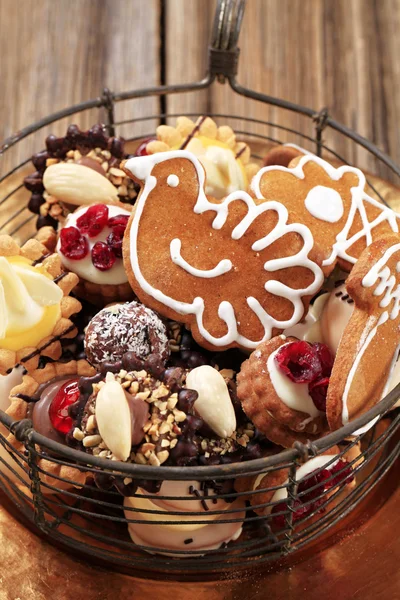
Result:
pixel 122 328
pixel 266 392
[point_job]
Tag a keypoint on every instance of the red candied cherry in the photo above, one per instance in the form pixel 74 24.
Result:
pixel 67 394
pixel 141 149
pixel 325 358
pixel 93 221
pixel 114 240
pixel 72 244
pixel 119 220
pixel 343 473
pixel 299 362
pixel 318 391
pixel 103 257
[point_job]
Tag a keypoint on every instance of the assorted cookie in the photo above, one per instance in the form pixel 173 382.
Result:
pixel 234 310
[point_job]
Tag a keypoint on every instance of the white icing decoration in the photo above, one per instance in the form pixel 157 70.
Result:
pixel 324 203
pixel 85 268
pixel 294 395
pixel 141 168
pixel 310 329
pixel 359 200
pixel 388 287
pixel 299 148
pixel 173 180
pixel 224 266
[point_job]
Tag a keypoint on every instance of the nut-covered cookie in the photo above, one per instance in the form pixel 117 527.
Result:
pixel 369 346
pixel 235 271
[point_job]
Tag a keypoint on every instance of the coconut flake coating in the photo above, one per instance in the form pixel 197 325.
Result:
pixel 130 327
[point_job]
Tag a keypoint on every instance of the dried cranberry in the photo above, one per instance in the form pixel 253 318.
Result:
pixel 141 149
pixel 318 391
pixel 93 221
pixel 58 412
pixel 325 358
pixel 311 492
pixel 115 239
pixel 73 245
pixel 103 257
pixel 118 221
pixel 299 361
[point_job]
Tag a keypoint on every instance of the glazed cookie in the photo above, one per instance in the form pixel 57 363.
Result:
pixel 44 397
pixel 235 272
pixel 225 160
pixel 90 245
pixel 328 471
pixel 369 347
pixel 331 202
pixel 168 538
pixel 35 307
pixel 79 169
pixel 286 379
pixel 122 328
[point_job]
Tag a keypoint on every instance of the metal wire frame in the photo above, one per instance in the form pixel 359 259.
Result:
pixel 64 514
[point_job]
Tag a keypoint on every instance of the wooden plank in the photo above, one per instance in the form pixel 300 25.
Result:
pixel 188 26
pixel 55 54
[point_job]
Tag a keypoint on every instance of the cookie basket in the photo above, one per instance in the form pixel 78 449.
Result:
pixel 92 521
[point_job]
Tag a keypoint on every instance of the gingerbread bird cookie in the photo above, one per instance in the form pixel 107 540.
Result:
pixel 235 271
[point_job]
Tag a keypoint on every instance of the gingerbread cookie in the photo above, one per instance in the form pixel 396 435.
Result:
pixel 332 203
pixel 234 271
pixel 286 379
pixel 369 346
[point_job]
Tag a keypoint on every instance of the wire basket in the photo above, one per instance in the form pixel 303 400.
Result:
pixel 94 522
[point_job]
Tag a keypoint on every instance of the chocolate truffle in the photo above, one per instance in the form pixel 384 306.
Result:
pixel 121 328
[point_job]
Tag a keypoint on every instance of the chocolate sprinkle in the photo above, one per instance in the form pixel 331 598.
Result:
pixel 188 541
pixel 239 154
pixel 192 133
pixel 339 282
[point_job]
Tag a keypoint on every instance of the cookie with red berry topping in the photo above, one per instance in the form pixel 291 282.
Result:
pixel 285 381
pixel 90 245
pixel 319 479
pixel 44 396
pixel 369 346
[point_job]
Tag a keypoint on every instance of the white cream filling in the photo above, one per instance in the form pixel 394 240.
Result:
pixel 223 173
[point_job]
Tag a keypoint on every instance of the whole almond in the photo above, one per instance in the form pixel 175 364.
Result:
pixel 78 185
pixel 113 418
pixel 214 404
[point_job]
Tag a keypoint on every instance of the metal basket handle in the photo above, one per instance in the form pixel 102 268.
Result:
pixel 223 50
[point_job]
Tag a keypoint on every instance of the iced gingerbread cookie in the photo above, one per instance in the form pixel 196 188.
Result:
pixel 369 346
pixel 331 202
pixel 35 307
pixel 79 169
pixel 90 245
pixel 321 475
pixel 235 271
pixel 286 379
pixel 122 328
pixel 44 396
pixel 225 160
